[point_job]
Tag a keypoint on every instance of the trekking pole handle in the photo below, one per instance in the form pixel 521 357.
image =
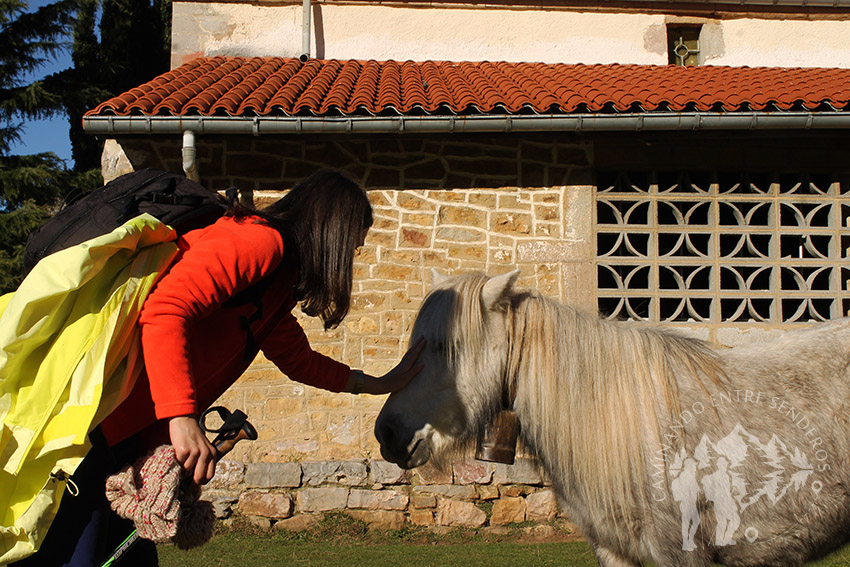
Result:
pixel 224 446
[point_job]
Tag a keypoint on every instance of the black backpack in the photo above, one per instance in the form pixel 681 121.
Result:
pixel 172 198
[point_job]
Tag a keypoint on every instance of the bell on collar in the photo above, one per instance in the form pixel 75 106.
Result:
pixel 498 444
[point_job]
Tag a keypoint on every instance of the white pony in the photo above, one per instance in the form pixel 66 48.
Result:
pixel 659 447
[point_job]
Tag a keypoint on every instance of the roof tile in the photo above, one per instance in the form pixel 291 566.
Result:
pixel 261 86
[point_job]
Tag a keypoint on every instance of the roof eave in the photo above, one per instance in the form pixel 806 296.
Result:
pixel 672 121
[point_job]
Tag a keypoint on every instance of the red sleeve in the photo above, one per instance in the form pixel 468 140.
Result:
pixel 219 261
pixel 288 348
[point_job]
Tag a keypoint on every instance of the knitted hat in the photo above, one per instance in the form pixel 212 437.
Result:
pixel 163 509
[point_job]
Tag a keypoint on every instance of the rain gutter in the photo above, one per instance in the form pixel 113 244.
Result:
pixel 118 125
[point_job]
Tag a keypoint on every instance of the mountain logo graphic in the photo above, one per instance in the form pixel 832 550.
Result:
pixel 713 473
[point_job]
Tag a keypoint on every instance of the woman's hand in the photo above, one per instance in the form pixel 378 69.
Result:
pixel 410 366
pixel 194 451
pixel 395 379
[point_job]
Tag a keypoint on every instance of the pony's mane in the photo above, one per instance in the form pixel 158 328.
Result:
pixel 595 390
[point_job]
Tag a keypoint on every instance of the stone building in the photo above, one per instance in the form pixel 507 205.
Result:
pixel 680 163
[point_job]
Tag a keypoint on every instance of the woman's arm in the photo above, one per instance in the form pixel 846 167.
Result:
pixel 218 263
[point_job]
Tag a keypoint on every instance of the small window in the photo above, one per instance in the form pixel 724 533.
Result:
pixel 683 45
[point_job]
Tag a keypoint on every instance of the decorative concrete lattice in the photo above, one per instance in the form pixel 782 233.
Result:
pixel 722 248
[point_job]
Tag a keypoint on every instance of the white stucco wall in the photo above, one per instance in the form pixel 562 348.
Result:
pixel 382 33
pixel 783 43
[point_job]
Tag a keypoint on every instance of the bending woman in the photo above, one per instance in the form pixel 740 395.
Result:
pixel 229 294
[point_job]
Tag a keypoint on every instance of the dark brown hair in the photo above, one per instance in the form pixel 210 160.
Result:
pixel 323 219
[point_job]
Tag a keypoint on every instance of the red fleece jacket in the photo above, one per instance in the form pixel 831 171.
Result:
pixel 194 342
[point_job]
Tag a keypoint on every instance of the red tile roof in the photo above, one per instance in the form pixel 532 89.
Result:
pixel 276 86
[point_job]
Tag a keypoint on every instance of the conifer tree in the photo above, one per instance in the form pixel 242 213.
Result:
pixel 29 185
pixel 133 47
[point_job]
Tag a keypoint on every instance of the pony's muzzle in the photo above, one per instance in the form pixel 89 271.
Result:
pixel 399 446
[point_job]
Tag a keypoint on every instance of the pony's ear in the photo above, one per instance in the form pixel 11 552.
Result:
pixel 436 277
pixel 497 288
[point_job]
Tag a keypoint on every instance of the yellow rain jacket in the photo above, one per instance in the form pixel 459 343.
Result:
pixel 69 354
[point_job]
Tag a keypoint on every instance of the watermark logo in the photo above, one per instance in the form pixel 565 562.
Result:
pixel 714 472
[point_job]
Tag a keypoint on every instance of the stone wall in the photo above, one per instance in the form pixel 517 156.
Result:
pixel 468 494
pixel 455 205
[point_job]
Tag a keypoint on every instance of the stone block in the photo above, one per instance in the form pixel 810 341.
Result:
pixel 273 475
pixel 299 523
pixel 259 522
pixel 385 223
pixel 418 220
pixel 457 492
pixel 379 519
pixel 540 533
pixel 488 492
pixel 421 500
pixel 421 517
pixel 413 201
pixel 546 213
pixel 413 237
pixel 228 474
pixel 470 471
pixel 223 508
pixel 265 504
pixel 383 178
pixel 366 325
pixel 429 474
pixel 347 473
pixel 313 500
pixel 541 506
pixel 460 514
pixel 523 471
pixel 114 161
pixel 508 511
pixel 486 200
pixel 378 499
pixel 462 216
pixel 511 223
pixel 222 501
pixel 254 165
pixel 433 169
pixel 514 490
pixel 472 252
pixel 384 472
pixel 455 234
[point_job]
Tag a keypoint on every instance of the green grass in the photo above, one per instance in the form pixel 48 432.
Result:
pixel 340 541
pixel 234 550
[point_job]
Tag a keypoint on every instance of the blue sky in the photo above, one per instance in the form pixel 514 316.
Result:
pixel 48 135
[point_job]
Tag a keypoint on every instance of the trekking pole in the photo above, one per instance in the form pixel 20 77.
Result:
pixel 235 428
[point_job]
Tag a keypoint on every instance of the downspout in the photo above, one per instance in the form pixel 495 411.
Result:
pixel 305 31
pixel 189 152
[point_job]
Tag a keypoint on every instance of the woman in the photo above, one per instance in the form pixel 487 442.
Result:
pixel 229 293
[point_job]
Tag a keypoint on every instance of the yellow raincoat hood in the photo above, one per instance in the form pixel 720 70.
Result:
pixel 69 354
